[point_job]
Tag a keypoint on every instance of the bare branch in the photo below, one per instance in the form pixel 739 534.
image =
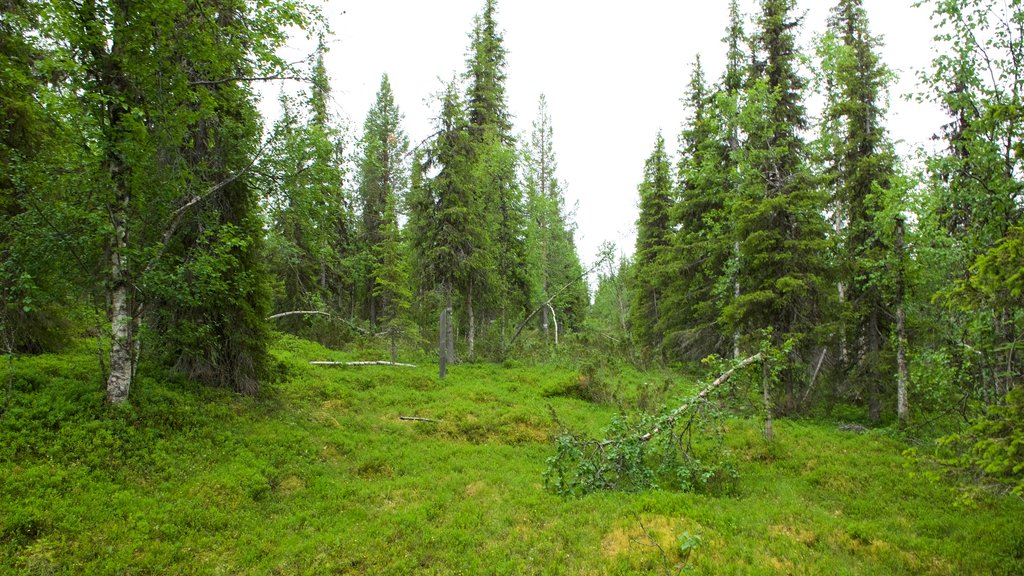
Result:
pixel 366 363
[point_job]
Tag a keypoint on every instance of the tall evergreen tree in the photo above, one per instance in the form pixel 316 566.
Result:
pixel 554 259
pixel 861 168
pixel 447 230
pixel 494 169
pixel 652 242
pixel 698 283
pixel 309 243
pixel 382 181
pixel 779 221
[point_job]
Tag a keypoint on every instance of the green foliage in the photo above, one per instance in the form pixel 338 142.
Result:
pixel 652 241
pixel 643 451
pixel 383 181
pixel 993 445
pixel 551 247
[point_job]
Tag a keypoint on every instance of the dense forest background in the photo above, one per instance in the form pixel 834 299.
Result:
pixel 147 205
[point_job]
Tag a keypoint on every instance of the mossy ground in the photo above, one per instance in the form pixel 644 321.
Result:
pixel 319 476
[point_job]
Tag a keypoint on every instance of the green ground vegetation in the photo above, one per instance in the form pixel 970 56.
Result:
pixel 318 475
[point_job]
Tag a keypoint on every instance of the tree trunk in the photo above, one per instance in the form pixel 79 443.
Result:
pixel 766 390
pixel 736 296
pixel 903 373
pixel 442 344
pixel 555 320
pixel 122 349
pixel 872 358
pixel 472 324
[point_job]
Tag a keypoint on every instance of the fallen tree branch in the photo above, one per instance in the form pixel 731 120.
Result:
pixel 548 302
pixel 675 414
pixel 329 315
pixel 418 419
pixel 297 313
pixel 365 363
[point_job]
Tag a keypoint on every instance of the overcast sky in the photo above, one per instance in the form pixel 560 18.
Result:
pixel 613 74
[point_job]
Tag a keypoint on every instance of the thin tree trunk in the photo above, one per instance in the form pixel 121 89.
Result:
pixel 472 324
pixel 736 296
pixel 555 320
pixel 766 383
pixel 442 344
pixel 903 373
pixel 874 347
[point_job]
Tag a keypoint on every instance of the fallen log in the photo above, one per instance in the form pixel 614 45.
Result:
pixel 365 363
pixel 418 419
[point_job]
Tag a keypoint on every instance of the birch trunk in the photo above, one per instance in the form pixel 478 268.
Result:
pixel 122 349
pixel 903 373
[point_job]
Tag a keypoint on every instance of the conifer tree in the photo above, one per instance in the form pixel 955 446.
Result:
pixel 652 242
pixel 697 282
pixel 382 181
pixel 779 223
pixel 310 249
pixel 553 257
pixel 448 233
pixel 861 169
pixel 494 169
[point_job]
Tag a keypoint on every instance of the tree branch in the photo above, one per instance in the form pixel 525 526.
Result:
pixel 366 363
pixel 671 419
pixel 179 214
pixel 548 302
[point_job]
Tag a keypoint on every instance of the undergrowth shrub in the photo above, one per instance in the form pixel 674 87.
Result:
pixel 646 451
pixel 993 445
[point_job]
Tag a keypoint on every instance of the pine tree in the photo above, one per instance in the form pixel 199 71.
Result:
pixel 779 223
pixel 652 242
pixel 382 181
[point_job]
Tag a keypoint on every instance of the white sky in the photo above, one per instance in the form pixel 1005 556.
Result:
pixel 613 74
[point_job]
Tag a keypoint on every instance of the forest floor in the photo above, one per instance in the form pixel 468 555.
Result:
pixel 319 475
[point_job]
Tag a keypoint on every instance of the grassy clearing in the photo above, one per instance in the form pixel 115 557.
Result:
pixel 319 476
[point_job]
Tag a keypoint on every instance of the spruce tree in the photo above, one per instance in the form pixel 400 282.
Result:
pixel 554 261
pixel 382 181
pixel 861 168
pixel 652 242
pixel 779 224
pixel 697 283
pixel 448 233
pixel 494 170
pixel 309 242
